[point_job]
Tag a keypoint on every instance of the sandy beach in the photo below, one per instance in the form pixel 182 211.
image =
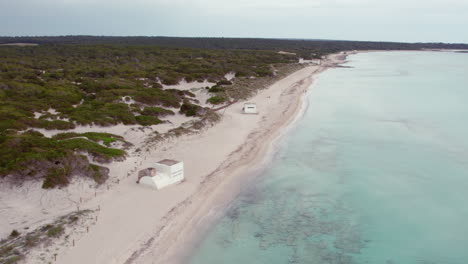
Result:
pixel 284 103
pixel 136 224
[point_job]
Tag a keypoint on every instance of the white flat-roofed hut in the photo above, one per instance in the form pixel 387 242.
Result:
pixel 164 173
pixel 250 108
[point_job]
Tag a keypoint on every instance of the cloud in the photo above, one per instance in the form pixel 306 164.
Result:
pixel 397 20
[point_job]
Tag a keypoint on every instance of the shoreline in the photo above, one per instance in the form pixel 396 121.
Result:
pixel 220 203
pixel 133 222
pixel 138 223
pixel 176 237
pixel 207 205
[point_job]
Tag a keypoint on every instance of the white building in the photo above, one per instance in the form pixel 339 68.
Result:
pixel 164 173
pixel 250 108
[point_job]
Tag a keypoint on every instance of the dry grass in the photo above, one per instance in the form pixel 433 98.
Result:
pixel 14 248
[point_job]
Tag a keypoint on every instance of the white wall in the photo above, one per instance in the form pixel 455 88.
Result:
pixel 250 109
pixel 162 169
pixel 148 181
pixel 165 176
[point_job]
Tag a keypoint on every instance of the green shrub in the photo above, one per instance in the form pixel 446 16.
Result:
pixel 171 78
pixel 157 97
pixel 14 233
pixel 147 120
pixel 180 93
pixel 55 124
pixel 97 176
pixel 224 82
pixel 241 73
pixel 106 138
pixel 215 89
pixel 16 150
pixel 216 100
pixel 92 148
pixel 55 231
pixel 104 114
pixel 263 72
pixel 20 151
pixel 189 109
pixel 56 177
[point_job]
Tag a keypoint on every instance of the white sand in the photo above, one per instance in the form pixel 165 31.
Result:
pixel 230 75
pixel 30 206
pixel 138 224
pixel 286 53
pixel 184 85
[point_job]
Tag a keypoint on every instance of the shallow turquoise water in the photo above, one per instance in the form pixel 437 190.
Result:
pixel 375 172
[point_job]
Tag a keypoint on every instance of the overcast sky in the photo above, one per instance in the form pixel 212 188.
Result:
pixel 387 20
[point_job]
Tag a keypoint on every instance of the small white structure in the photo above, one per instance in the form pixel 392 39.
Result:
pixel 164 173
pixel 250 108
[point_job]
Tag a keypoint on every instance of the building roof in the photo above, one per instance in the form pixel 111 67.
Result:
pixel 168 162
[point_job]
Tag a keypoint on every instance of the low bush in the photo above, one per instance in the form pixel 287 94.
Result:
pixel 224 82
pixel 97 175
pixel 189 109
pixel 215 89
pixel 263 71
pixel 14 233
pixel 145 120
pixel 216 100
pixel 55 231
pixel 157 97
pixel 106 138
pixel 96 150
pixel 56 177
pixel 30 154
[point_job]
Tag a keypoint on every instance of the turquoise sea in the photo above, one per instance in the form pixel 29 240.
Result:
pixel 375 172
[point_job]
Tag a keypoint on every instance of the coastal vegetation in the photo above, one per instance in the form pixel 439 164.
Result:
pixel 216 99
pixel 305 48
pixel 64 86
pixel 66 82
pixel 31 155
